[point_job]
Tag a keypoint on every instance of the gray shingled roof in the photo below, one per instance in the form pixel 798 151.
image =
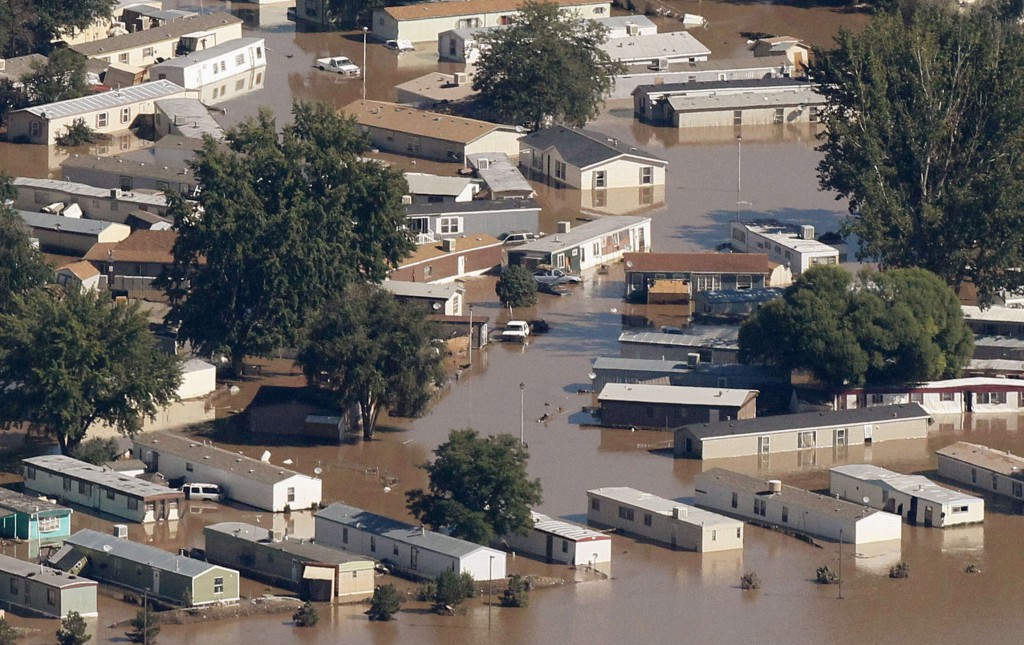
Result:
pixel 77 225
pixel 808 420
pixel 584 148
pixel 141 553
pixel 398 531
pixel 168 31
pixel 16 502
pixel 306 550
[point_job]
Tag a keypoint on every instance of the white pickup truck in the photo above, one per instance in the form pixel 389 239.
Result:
pixel 515 331
pixel 337 64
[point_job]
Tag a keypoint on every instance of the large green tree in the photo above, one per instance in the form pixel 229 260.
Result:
pixel 479 487
pixel 547 65
pixel 283 222
pixel 351 13
pixel 925 137
pixel 73 630
pixel 28 26
pixel 369 350
pixel 898 326
pixel 22 267
pixel 70 359
pixel 516 287
pixel 60 79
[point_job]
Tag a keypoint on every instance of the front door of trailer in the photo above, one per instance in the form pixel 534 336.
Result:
pixel 868 428
pixel 928 516
pixel 156 581
pixel 912 518
pixel 550 550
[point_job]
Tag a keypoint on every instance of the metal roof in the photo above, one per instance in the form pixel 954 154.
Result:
pixel 563 529
pixel 675 394
pixel 913 485
pixel 474 206
pixel 204 55
pixel 20 503
pixel 585 148
pixel 410 120
pixel 713 336
pixel 704 87
pixel 191 117
pixel 672 44
pixel 85 190
pixel 54 578
pixel 788 236
pixel 400 531
pixel 797 499
pixel 100 476
pixel 581 234
pixel 106 100
pixel 661 506
pixel 500 174
pixel 699 263
pixel 425 184
pixel 307 550
pixel 213 457
pixel 77 225
pixel 140 553
pixel 432 10
pixel 994 314
pixel 997 461
pixel 445 291
pixel 741 100
pixel 723 296
pixel 807 421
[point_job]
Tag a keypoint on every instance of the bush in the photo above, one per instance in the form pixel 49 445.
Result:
pixel 516 287
pixel 145 627
pixel 306 615
pixel 517 593
pixel 451 588
pixel 750 580
pixel 96 451
pixel 78 133
pixel 427 590
pixel 8 635
pixel 901 570
pixel 72 630
pixel 385 603
pixel 826 576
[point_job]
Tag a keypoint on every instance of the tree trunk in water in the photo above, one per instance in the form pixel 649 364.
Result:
pixel 366 411
pixel 237 363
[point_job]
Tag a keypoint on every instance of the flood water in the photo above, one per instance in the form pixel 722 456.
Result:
pixel 654 595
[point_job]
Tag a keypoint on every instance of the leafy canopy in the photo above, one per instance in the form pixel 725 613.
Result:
pixel 925 137
pixel 479 487
pixel 60 79
pixel 22 267
pixel 28 26
pixel 547 65
pixel 281 225
pixel 516 287
pixel 79 359
pixel 451 588
pixel 899 326
pixel 371 350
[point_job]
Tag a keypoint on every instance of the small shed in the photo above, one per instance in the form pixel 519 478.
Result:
pixel 198 379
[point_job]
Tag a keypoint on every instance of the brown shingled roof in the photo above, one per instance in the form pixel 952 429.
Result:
pixel 700 262
pixel 140 246
pixel 425 10
pixel 402 118
pixel 82 270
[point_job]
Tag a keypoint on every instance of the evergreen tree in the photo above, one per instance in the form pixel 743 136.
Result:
pixel 8 635
pixel 516 287
pixel 145 627
pixel 307 615
pixel 385 603
pixel 72 630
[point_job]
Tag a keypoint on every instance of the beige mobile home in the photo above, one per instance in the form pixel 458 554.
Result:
pixel 982 468
pixel 149 46
pixel 662 520
pixel 796 510
pixel 918 499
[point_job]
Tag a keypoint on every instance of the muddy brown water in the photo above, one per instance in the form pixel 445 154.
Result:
pixel 654 595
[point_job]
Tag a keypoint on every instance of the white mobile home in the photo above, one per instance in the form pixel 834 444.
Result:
pixel 563 542
pixel 106 204
pixel 994 471
pixel 108 112
pixel 193 71
pixel 770 503
pixel 100 489
pixel 587 246
pixel 788 244
pixel 244 479
pixel 916 498
pixel 146 47
pixel 662 520
pixel 977 395
pixel 411 549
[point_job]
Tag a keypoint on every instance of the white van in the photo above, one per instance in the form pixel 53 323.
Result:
pixel 203 491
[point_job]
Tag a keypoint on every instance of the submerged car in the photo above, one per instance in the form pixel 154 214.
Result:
pixel 399 45
pixel 337 64
pixel 516 331
pixel 555 276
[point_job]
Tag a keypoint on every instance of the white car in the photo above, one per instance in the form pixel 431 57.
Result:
pixel 516 330
pixel 400 45
pixel 337 64
pixel 203 491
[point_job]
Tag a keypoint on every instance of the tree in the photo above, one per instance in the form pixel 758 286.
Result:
pixel 370 350
pixel 8 635
pixel 28 26
pixel 352 13
pixel 479 487
pixel 924 135
pixel 22 267
pixel 281 225
pixel 72 630
pixel 385 603
pixel 78 359
pixel 516 287
pixel 451 588
pixel 12 97
pixel 60 79
pixel 548 65
pixel 96 451
pixel 77 134
pixel 145 627
pixel 307 615
pixel 898 326
pixel 517 593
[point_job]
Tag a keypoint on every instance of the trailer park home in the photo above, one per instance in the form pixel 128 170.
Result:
pixel 586 246
pixel 953 396
pixel 26 517
pixel 100 489
pixel 244 479
pixel 562 542
pixel 916 498
pixel 411 549
pixel 794 509
pixel 27 588
pixel 663 520
pixel 997 472
pixel 193 71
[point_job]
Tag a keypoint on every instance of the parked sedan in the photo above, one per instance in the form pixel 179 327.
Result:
pixel 555 276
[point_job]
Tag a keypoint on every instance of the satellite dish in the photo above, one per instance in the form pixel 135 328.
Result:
pixel 107 548
pixel 629 264
pixel 867 499
pixel 592 376
pixel 436 306
pixel 318 470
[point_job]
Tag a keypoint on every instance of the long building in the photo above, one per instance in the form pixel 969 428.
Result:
pixel 918 499
pixel 213 64
pixel 563 542
pixel 996 472
pixel 148 46
pixel 796 510
pixel 28 588
pixel 663 520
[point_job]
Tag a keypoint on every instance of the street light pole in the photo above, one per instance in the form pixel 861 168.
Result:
pixel 840 564
pixel 365 29
pixel 739 172
pixel 522 413
pixel 490 581
pixel 471 336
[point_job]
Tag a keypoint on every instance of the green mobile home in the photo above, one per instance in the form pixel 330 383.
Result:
pixel 24 517
pixel 35 590
pixel 173 578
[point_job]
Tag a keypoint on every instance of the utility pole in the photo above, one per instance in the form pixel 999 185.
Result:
pixel 365 29
pixel 840 564
pixel 522 414
pixel 739 172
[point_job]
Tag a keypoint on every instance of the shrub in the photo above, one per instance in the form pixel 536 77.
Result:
pixel 517 593
pixel 451 588
pixel 901 570
pixel 8 635
pixel 306 615
pixel 145 627
pixel 427 590
pixel 96 451
pixel 385 603
pixel 826 576
pixel 72 630
pixel 516 287
pixel 78 133
pixel 750 580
